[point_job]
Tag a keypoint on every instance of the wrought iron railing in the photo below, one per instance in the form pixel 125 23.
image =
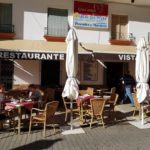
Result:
pixel 122 36
pixel 57 33
pixel 7 28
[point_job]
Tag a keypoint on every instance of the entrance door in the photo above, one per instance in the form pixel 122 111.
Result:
pixel 6 73
pixel 113 73
pixel 50 75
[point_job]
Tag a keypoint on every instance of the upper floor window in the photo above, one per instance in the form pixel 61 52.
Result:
pixel 119 26
pixel 57 22
pixel 6 18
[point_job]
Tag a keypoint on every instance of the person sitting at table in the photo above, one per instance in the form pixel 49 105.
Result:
pixel 34 93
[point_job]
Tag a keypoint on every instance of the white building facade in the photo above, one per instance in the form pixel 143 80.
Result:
pixel 32 20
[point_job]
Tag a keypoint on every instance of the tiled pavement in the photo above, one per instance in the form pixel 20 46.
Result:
pixel 118 136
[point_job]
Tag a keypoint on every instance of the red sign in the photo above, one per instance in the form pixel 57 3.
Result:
pixel 91 8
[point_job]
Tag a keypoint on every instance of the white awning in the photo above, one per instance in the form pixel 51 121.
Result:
pixel 60 47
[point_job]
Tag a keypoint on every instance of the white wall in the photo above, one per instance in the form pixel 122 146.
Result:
pixel 27 71
pixel 139 18
pixel 30 18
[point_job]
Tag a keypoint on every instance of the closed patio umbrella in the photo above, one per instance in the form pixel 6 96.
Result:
pixel 71 89
pixel 142 71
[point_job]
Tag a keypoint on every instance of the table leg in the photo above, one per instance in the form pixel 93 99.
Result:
pixel 81 114
pixel 19 119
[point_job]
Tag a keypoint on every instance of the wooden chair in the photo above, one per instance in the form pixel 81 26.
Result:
pixel 97 109
pixel 67 107
pixel 44 116
pixel 48 96
pixel 137 105
pixel 146 107
pixel 2 119
pixel 112 90
pixel 88 91
pixel 110 104
pixel 9 116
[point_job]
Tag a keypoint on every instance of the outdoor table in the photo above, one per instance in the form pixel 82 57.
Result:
pixel 83 101
pixel 100 91
pixel 28 104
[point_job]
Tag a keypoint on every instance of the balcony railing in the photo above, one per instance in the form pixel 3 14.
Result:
pixel 53 38
pixel 7 31
pixel 122 39
pixel 6 28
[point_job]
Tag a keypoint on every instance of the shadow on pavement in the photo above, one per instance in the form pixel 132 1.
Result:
pixel 38 145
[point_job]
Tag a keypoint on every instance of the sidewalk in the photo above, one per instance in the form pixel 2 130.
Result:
pixel 134 120
pixel 119 136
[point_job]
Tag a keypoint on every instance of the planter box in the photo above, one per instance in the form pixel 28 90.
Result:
pixel 7 35
pixel 54 38
pixel 121 42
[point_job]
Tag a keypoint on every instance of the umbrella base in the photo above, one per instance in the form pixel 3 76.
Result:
pixel 76 130
pixel 138 124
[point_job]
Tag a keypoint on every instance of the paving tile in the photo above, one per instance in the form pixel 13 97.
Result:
pixel 118 136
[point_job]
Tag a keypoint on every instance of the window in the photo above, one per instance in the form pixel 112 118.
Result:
pixel 119 27
pixel 57 22
pixel 89 71
pixel 6 18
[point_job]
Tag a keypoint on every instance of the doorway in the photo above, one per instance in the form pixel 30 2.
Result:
pixel 113 73
pixel 6 73
pixel 50 75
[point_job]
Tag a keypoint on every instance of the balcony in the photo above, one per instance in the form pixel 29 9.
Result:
pixel 53 38
pixel 7 31
pixel 121 42
pixel 122 39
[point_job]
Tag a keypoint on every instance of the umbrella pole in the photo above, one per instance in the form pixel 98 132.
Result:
pixel 142 115
pixel 71 115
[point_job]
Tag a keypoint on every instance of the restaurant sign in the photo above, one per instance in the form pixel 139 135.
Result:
pixel 91 15
pixel 31 55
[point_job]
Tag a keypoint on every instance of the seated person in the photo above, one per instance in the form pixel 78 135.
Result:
pixel 34 93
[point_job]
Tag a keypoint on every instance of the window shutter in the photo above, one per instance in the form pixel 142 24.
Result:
pixel 5 17
pixel 57 22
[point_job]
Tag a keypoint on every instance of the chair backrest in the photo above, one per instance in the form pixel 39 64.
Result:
pixel 49 94
pixel 114 98
pixel 50 109
pixel 97 105
pixel 136 103
pixel 67 103
pixel 90 90
pixel 113 90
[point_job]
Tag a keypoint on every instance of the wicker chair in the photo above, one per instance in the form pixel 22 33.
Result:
pixel 88 91
pixel 146 107
pixel 67 107
pixel 110 104
pixel 44 116
pixel 112 90
pixel 96 111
